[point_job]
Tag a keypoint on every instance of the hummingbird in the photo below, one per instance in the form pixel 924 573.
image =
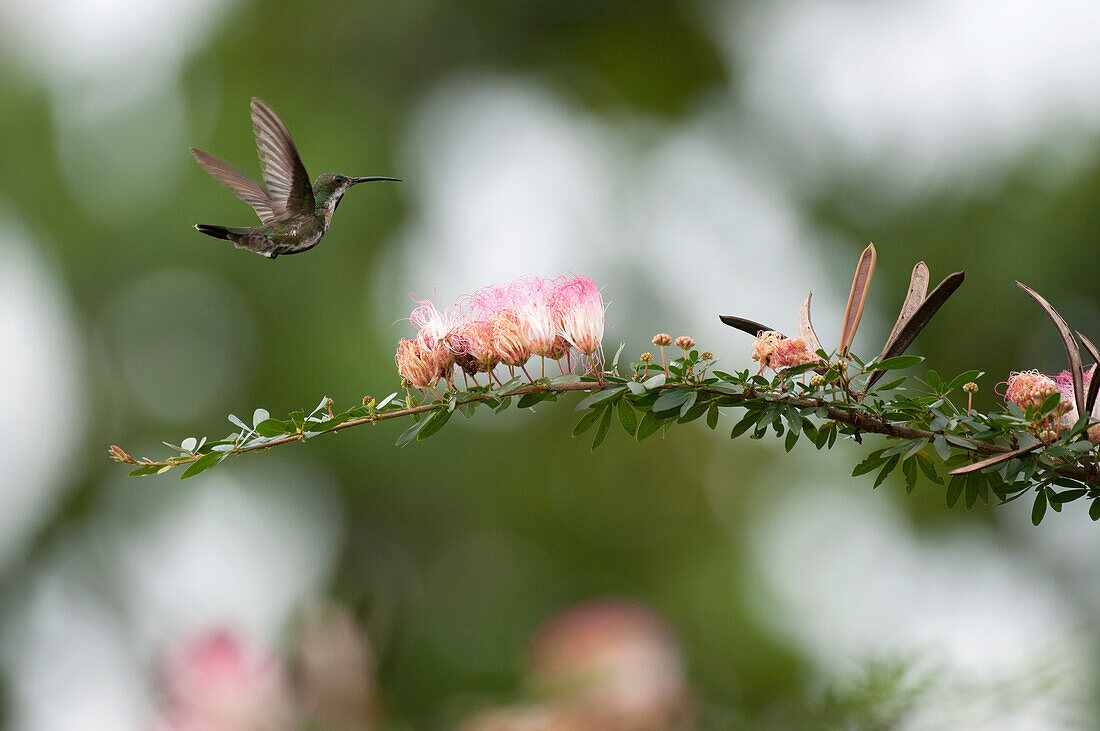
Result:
pixel 294 213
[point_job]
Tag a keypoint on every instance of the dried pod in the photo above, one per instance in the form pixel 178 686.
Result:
pixel 920 320
pixel 857 298
pixel 1094 384
pixel 806 328
pixel 745 326
pixel 918 291
pixel 994 460
pixel 1073 352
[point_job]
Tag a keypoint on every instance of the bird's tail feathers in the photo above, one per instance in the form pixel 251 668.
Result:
pixel 220 232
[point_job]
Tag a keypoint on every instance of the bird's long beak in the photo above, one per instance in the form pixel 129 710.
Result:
pixel 372 179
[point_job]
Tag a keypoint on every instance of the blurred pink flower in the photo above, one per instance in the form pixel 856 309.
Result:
pixel 219 682
pixel 336 668
pixel 614 663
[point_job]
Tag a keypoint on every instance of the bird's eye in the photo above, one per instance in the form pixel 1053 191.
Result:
pixel 341 179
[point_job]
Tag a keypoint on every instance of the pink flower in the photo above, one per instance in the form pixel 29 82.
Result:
pixel 218 682
pixel 792 352
pixel 510 339
pixel 774 351
pixel 417 363
pixel 477 336
pixel 615 664
pixel 1065 387
pixel 580 310
pixel 436 329
pixel 534 301
pixel 1031 388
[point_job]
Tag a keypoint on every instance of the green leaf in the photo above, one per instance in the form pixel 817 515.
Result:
pixel 886 470
pixel 615 360
pixel 564 379
pixel 794 419
pixel 941 447
pixel 626 415
pixel 1068 496
pixel 587 421
pixel 203 463
pixel 635 388
pixel 973 482
pixel 1049 405
pixel 647 426
pixel 655 381
pixel 602 429
pixel 686 406
pixel 410 434
pixel 954 489
pixel 745 424
pixel 273 428
pixel 962 379
pixel 869 464
pixel 437 421
pixel 671 400
pixel 896 363
pixel 142 471
pixel 530 399
pixel 789 442
pixel 1039 507
pixel 928 468
pixel 909 470
pixel 599 396
pixel 712 415
pixel 1094 509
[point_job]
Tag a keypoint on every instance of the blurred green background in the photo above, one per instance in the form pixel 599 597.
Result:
pixel 693 158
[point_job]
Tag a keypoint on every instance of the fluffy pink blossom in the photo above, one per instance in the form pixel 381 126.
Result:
pixel 477 337
pixel 792 352
pixel 436 331
pixel 510 339
pixel 580 309
pixel 534 301
pixel 219 682
pixel 1032 388
pixel 774 351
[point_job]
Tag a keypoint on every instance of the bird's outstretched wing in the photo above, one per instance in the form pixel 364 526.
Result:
pixel 247 189
pixel 284 173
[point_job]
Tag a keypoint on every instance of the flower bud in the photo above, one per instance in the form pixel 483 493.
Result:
pixel 1093 433
pixel 662 339
pixel 706 355
pixel 645 357
pixel 970 387
pixel 685 343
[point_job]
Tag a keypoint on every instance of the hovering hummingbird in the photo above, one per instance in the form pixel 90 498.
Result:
pixel 295 214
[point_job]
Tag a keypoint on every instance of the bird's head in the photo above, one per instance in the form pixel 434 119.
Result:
pixel 329 188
